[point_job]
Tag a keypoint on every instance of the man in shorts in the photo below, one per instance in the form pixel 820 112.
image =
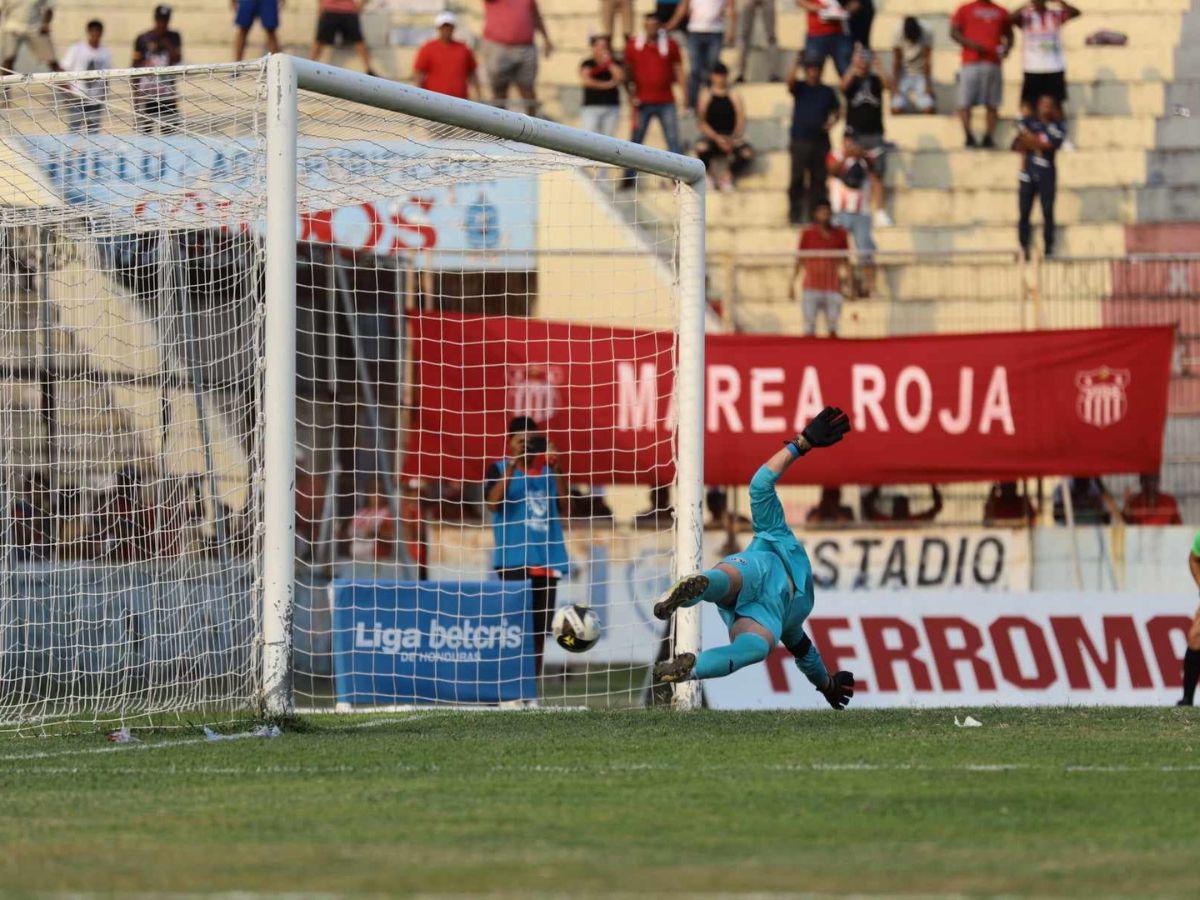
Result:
pixel 1043 60
pixel 823 275
pixel 982 29
pixel 340 22
pixel 27 23
pixel 245 12
pixel 508 51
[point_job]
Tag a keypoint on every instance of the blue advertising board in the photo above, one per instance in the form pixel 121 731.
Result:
pixel 432 642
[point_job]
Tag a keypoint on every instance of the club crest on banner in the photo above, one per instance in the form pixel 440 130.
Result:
pixel 533 390
pixel 1102 401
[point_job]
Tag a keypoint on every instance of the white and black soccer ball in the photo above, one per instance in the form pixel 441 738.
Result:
pixel 576 628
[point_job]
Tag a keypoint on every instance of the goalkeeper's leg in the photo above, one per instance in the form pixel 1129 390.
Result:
pixel 749 643
pixel 717 585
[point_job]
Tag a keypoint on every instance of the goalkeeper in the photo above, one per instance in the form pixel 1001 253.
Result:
pixel 764 593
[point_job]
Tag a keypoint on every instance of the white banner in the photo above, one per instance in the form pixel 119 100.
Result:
pixel 959 648
pixel 991 559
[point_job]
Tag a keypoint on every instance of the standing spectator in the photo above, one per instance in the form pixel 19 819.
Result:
pixel 527 497
pixel 1091 503
pixel 746 15
pixel 156 97
pixel 245 12
pixel 1043 60
pixel 446 66
pixel 655 70
pixel 1150 506
pixel 982 28
pixel 610 11
pixel 901 507
pixel 827 35
pixel 859 21
pixel 27 22
pixel 87 105
pixel 1038 139
pixel 341 21
pixel 1191 656
pixel 722 120
pixel 1006 507
pixel 601 76
pixel 850 173
pixel 664 10
pixel 830 510
pixel 823 274
pixel 510 56
pixel 710 26
pixel 863 87
pixel 912 68
pixel 815 108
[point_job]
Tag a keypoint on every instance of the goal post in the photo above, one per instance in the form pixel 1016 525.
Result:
pixel 323 391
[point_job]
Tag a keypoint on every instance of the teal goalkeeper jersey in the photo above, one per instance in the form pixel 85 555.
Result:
pixel 772 533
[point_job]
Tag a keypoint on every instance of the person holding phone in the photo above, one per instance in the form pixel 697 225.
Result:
pixel 527 497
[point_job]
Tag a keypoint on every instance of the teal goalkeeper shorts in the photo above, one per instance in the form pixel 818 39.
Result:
pixel 766 591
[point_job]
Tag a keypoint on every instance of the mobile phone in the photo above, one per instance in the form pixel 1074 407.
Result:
pixel 536 444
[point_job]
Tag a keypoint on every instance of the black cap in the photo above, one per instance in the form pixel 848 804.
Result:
pixel 521 423
pixel 162 11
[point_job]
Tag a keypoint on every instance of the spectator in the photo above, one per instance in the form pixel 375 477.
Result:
pixel 610 10
pixel 982 28
pixel 664 11
pixel 446 66
pixel 86 110
pixel 245 12
pixel 850 172
pixel 1043 60
pixel 710 26
pixel 722 120
pixel 655 70
pixel 156 97
pixel 900 511
pixel 858 22
pixel 912 68
pixel 510 56
pixel 827 36
pixel 746 15
pixel 1005 507
pixel 863 88
pixel 1091 503
pixel 601 76
pixel 371 531
pixel 823 274
pixel 1038 140
pixel 1150 506
pixel 815 108
pixel 527 496
pixel 829 509
pixel 340 21
pixel 27 22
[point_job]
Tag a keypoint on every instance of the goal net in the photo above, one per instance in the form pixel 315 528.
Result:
pixel 324 392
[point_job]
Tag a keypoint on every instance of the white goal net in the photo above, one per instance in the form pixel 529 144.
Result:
pixel 486 399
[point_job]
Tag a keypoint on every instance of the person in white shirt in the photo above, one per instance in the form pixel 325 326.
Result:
pixel 711 25
pixel 853 183
pixel 27 22
pixel 88 94
pixel 912 55
pixel 1043 60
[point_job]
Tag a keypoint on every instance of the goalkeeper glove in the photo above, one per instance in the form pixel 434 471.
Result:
pixel 839 690
pixel 827 428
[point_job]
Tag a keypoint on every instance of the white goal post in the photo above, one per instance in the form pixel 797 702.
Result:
pixel 275 333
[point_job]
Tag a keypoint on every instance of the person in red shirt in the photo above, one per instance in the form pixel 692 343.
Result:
pixel 655 70
pixel 827 34
pixel 445 65
pixel 823 275
pixel 508 51
pixel 983 30
pixel 1150 506
pixel 339 21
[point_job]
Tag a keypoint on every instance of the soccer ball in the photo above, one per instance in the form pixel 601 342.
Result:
pixel 576 628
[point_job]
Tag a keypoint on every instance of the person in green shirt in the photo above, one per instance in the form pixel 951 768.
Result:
pixel 1191 658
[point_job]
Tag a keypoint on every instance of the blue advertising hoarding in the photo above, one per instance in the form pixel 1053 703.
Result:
pixel 432 642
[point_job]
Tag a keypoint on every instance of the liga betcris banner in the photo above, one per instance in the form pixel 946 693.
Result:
pixel 924 408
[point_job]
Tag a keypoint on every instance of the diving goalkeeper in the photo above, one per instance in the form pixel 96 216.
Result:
pixel 764 593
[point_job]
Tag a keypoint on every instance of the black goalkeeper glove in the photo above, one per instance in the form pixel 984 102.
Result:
pixel 839 690
pixel 827 428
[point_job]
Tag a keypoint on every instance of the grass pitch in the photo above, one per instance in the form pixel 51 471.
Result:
pixel 1053 802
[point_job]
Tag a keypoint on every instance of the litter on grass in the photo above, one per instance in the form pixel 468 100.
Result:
pixel 123 736
pixel 259 731
pixel 968 722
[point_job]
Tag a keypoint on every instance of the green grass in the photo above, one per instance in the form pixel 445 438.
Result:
pixel 1051 802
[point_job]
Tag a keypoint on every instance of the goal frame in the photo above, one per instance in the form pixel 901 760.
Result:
pixel 286 76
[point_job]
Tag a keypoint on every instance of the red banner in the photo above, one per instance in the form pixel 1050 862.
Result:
pixel 927 408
